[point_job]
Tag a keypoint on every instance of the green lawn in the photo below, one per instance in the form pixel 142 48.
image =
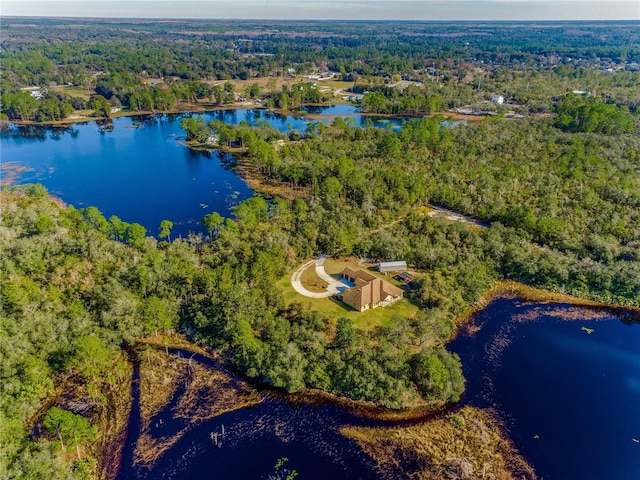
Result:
pixel 335 309
pixel 75 91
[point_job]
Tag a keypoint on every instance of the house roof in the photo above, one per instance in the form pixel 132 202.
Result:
pixel 369 289
pixel 359 275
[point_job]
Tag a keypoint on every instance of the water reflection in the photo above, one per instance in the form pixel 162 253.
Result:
pixel 253 117
pixel 141 121
pixel 105 126
pixel 130 166
pixel 245 442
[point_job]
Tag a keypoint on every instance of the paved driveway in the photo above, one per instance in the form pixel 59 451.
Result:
pixel 334 287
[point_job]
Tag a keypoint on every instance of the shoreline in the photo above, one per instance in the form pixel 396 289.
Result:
pixel 203 108
pixel 466 437
pixel 508 289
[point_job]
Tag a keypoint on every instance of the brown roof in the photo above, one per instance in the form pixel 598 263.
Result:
pixel 369 291
pixel 359 274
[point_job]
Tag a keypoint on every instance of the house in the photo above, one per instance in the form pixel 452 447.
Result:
pixel 391 266
pixel 369 290
pixel 36 92
pixel 277 144
pixel 499 99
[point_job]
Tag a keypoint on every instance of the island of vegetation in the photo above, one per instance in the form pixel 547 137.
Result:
pixel 555 190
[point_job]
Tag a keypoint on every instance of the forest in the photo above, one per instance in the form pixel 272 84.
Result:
pixel 570 200
pixel 556 191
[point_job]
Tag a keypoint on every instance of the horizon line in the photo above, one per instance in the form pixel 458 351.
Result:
pixel 302 19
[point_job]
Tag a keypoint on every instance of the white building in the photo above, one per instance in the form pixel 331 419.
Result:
pixel 399 266
pixel 36 92
pixel 499 99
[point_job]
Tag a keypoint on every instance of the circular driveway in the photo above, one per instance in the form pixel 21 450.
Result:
pixel 335 286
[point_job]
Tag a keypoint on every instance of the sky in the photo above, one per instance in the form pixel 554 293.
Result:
pixel 332 9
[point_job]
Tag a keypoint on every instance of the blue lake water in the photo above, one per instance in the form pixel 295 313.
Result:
pixel 139 168
pixel 139 171
pixel 570 399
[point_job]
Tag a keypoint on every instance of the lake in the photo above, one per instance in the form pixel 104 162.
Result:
pixel 139 167
pixel 570 398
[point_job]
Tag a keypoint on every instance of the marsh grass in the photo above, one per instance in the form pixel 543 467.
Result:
pixel 437 449
pixel 197 392
pixel 511 289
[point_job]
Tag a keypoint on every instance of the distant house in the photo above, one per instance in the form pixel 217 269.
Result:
pixel 391 266
pixel 579 92
pixel 36 92
pixel 369 290
pixel 320 76
pixel 499 99
pixel 115 109
pixel 277 144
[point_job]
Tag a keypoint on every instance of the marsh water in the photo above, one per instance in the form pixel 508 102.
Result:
pixel 565 380
pixel 140 169
pixel 251 441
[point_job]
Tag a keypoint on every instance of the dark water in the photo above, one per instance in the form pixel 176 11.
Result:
pixel 570 399
pixel 139 169
pixel 254 440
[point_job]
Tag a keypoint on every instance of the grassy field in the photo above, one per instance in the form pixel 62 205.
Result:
pixel 312 281
pixel 75 91
pixel 335 308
